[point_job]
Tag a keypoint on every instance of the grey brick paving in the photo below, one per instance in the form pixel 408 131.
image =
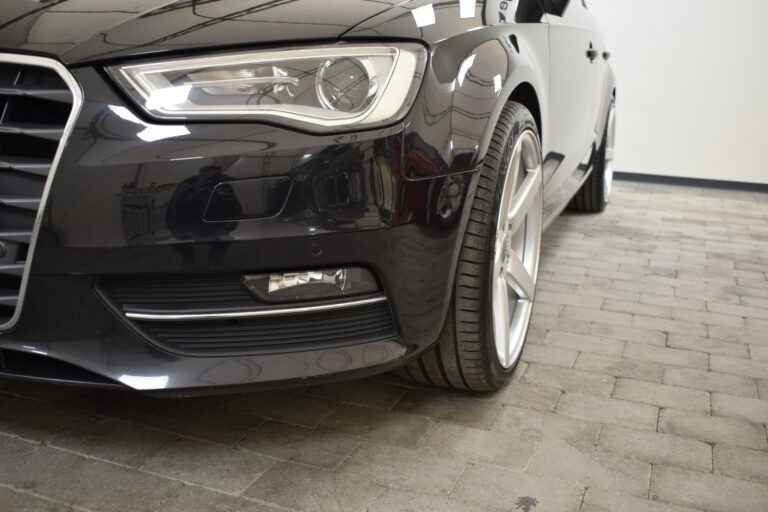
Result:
pixel 644 388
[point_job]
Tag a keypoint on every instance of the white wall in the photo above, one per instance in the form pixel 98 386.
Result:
pixel 692 86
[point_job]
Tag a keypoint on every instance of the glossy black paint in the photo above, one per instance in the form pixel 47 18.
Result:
pixel 125 195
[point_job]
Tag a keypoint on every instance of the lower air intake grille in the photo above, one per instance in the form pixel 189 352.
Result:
pixel 272 335
pixel 294 332
pixel 35 106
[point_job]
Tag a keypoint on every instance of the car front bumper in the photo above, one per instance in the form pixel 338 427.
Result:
pixel 128 198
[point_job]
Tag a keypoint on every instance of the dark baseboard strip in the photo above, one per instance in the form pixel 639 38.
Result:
pixel 691 182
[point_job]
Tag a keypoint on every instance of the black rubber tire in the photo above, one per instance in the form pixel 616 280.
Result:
pixel 591 196
pixel 464 357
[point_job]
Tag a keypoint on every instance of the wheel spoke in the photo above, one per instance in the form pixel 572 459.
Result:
pixel 508 192
pixel 518 278
pixel 502 317
pixel 523 200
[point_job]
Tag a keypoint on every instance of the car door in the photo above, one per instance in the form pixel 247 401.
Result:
pixel 573 54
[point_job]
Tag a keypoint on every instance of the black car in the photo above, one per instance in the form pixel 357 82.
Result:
pixel 208 194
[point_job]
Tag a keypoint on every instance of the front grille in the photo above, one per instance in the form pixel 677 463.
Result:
pixel 35 106
pixel 303 331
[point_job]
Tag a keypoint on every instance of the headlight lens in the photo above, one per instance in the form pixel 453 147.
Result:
pixel 323 89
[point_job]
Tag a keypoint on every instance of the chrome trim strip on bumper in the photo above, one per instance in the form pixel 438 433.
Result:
pixel 255 313
pixel 77 103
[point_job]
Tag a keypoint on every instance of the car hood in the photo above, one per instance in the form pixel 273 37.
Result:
pixel 79 31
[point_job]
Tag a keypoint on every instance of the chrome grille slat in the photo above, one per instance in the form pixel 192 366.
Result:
pixel 14 269
pixel 62 95
pixel 23 237
pixel 25 203
pixel 33 130
pixel 38 167
pixel 39 101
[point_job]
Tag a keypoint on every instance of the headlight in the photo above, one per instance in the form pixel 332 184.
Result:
pixel 322 89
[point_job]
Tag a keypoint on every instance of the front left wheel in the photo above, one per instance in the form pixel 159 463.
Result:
pixel 495 282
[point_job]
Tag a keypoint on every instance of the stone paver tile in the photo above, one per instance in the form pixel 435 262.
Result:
pixel 741 463
pixel 413 470
pixel 113 440
pixel 620 367
pixel 585 343
pixel 36 420
pixel 313 490
pixel 572 381
pixel 393 427
pixel 319 448
pixel 404 501
pixel 636 334
pixel 26 465
pixel 637 308
pixel 708 318
pixel 479 445
pixel 536 426
pixel 455 407
pixel 101 486
pixel 737 310
pixel 17 501
pixel 750 409
pixel 193 419
pixel 368 392
pixel 657 448
pixel 544 354
pixel 197 499
pixel 677 326
pixel 707 345
pixel 744 367
pixel 527 396
pixel 713 429
pixel 285 407
pixel 557 459
pixel 758 353
pixel 601 500
pixel 667 356
pixel 662 395
pixel 762 387
pixel 495 488
pixel 212 466
pixel 710 381
pixel 596 315
pixel 672 302
pixel 734 335
pixel 608 410
pixel 560 323
pixel 567 299
pixel 706 491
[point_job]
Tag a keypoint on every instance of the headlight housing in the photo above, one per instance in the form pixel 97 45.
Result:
pixel 319 89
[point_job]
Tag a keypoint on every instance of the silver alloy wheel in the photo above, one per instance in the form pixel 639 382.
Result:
pixel 517 248
pixel 610 140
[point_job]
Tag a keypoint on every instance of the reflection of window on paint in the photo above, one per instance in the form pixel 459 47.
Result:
pixel 512 11
pixel 557 7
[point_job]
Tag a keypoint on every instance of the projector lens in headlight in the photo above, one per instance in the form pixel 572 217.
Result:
pixel 346 84
pixel 323 89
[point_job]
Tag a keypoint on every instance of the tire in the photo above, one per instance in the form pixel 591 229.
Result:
pixel 469 353
pixel 594 194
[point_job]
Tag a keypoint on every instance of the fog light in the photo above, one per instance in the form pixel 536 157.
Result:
pixel 311 284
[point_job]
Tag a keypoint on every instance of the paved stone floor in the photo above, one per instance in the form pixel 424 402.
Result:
pixel 644 387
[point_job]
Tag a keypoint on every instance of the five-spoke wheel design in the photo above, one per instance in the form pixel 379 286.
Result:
pixel 517 248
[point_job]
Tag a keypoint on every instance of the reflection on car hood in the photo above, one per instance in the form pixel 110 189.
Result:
pixel 77 31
